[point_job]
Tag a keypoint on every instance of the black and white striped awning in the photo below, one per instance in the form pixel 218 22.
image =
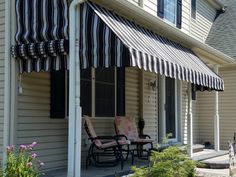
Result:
pixel 42 35
pixel 107 39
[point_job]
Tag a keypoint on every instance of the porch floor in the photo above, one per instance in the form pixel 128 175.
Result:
pixel 101 171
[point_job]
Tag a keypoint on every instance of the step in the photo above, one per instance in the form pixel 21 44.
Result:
pixel 209 155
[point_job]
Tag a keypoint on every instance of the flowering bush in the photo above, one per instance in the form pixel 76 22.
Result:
pixel 22 162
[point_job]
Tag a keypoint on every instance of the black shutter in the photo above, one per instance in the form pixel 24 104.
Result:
pixel 120 92
pixel 58 94
pixel 179 13
pixel 160 8
pixel 193 8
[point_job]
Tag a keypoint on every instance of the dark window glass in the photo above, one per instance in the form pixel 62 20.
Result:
pixel 170 107
pixel 120 102
pixel 86 92
pixel 105 92
pixel 193 8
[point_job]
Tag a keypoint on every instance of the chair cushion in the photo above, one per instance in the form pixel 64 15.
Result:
pixel 127 126
pixel 92 131
pixel 144 141
pixel 114 143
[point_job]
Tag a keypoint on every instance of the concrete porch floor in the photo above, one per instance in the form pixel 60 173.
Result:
pixel 206 156
pixel 101 171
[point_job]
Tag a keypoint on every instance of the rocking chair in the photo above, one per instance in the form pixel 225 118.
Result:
pixel 127 126
pixel 103 146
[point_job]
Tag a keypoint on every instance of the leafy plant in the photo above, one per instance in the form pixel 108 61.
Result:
pixel 171 162
pixel 22 162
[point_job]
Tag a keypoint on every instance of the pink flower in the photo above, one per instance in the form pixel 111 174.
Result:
pixel 23 147
pixel 33 145
pixel 29 164
pixel 34 155
pixel 41 164
pixel 10 148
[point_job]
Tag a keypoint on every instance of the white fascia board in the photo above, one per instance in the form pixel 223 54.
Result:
pixel 135 13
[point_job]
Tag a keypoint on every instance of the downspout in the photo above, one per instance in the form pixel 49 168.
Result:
pixel 7 76
pixel 75 118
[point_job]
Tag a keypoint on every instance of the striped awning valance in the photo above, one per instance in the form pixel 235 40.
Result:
pixel 107 39
pixel 41 35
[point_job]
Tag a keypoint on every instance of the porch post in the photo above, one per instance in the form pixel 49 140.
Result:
pixel 216 118
pixel 75 118
pixel 190 122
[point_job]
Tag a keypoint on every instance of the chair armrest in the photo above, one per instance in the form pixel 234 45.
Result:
pixel 102 138
pixel 144 136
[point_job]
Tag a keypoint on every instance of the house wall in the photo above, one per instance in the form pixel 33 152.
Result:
pixel 197 28
pixel 2 74
pixel 195 112
pixel 200 27
pixel 33 122
pixel 227 111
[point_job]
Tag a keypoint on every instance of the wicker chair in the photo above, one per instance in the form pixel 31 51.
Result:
pixel 103 146
pixel 127 126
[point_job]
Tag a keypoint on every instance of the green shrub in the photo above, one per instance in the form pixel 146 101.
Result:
pixel 171 162
pixel 22 162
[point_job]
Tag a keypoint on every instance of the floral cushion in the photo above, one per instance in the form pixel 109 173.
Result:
pixel 127 126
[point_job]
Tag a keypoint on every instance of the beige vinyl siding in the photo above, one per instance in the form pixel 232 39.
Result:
pixel 2 67
pixel 200 27
pixel 186 16
pixel 227 110
pixel 34 122
pixel 206 116
pixel 227 105
pixel 150 106
pixel 195 112
pixel 150 6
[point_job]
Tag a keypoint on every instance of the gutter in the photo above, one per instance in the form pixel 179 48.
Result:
pixel 135 13
pixel 217 4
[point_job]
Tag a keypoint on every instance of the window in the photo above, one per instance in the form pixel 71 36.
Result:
pixel 102 92
pixel 108 88
pixel 105 92
pixel 170 106
pixel 85 92
pixel 193 8
pixel 170 10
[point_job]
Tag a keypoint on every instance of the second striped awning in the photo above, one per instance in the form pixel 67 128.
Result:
pixel 107 39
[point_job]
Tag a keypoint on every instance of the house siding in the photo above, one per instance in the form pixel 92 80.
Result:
pixel 2 74
pixel 184 118
pixel 150 108
pixel 34 122
pixel 227 111
pixel 200 27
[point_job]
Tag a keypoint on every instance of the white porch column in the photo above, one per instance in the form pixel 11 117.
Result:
pixel 190 122
pixel 216 118
pixel 75 118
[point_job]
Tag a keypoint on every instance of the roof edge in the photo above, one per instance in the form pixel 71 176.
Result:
pixel 216 4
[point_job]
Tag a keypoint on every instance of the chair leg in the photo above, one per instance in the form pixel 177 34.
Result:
pixel 88 159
